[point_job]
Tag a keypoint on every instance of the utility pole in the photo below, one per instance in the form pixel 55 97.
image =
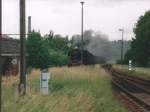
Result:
pixel 0 56
pixel 22 84
pixel 29 24
pixel 82 40
pixel 122 43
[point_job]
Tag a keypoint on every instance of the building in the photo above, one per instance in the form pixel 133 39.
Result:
pixel 10 55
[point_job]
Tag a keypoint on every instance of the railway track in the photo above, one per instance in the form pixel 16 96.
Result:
pixel 135 88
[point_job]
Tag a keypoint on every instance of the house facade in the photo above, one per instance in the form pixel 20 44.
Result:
pixel 10 56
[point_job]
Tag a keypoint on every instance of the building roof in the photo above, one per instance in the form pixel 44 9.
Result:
pixel 10 47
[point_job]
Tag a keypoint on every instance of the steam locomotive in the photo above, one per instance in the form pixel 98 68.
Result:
pixel 75 58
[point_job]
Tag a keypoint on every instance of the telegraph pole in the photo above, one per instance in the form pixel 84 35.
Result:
pixel 0 56
pixel 122 32
pixel 82 41
pixel 22 84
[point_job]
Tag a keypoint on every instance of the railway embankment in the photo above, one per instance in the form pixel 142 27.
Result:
pixel 133 87
pixel 139 72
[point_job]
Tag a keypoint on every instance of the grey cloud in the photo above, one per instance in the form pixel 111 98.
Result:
pixel 64 16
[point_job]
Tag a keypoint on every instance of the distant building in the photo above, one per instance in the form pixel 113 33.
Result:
pixel 10 55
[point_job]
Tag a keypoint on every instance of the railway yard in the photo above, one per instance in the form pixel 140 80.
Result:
pixel 58 57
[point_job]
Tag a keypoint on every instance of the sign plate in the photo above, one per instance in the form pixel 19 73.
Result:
pixel 14 61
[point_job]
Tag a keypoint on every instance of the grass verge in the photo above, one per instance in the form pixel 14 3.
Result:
pixel 140 72
pixel 77 89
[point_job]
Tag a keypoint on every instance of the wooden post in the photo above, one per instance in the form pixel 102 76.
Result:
pixel 22 84
pixel 0 56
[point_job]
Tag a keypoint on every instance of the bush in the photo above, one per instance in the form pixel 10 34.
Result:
pixel 57 58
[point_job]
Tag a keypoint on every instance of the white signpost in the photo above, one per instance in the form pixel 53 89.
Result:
pixel 45 76
pixel 130 65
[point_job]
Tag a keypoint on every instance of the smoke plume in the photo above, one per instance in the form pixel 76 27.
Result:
pixel 95 42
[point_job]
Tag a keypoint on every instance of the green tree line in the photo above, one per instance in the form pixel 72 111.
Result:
pixel 140 45
pixel 46 51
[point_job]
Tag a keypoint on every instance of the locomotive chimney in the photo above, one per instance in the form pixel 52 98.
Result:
pixel 29 25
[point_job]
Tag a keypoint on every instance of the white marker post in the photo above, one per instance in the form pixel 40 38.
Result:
pixel 130 65
pixel 45 76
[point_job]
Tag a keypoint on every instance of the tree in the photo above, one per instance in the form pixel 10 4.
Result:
pixel 57 42
pixel 58 49
pixel 38 55
pixel 140 46
pixel 50 50
pixel 57 58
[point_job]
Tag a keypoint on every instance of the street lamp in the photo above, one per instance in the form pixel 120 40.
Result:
pixel 82 3
pixel 122 31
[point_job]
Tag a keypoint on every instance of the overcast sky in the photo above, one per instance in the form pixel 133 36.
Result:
pixel 64 16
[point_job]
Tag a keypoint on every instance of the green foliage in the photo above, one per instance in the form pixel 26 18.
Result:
pixel 119 62
pixel 50 50
pixel 38 55
pixel 57 43
pixel 57 58
pixel 140 46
